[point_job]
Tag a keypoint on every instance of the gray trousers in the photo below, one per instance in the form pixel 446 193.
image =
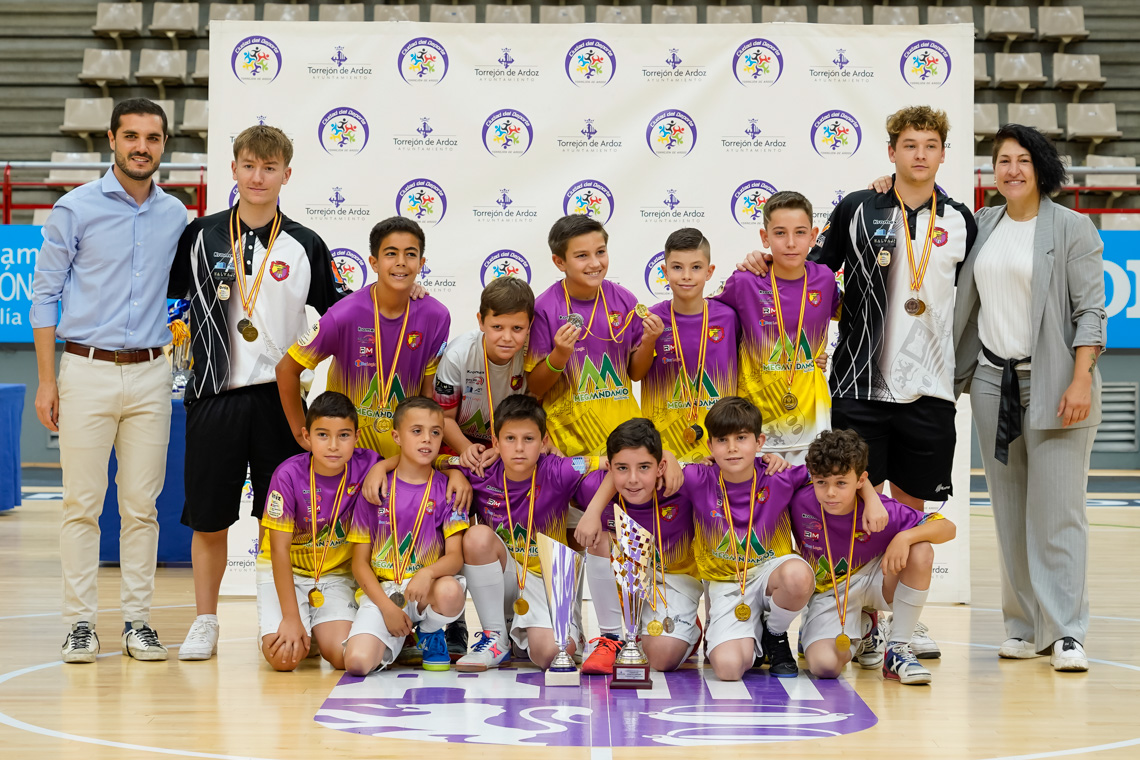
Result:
pixel 1039 511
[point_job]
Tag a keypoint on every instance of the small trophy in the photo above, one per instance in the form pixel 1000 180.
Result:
pixel 632 556
pixel 560 565
pixel 180 372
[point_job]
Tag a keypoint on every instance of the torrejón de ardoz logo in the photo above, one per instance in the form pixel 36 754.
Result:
pixel 836 133
pixel 422 199
pixel 502 207
pixel 423 61
pixel 504 263
pixel 589 197
pixel 256 60
pixel 590 63
pixel 671 133
pixel 507 133
pixel 343 130
pixel 925 63
pixel 748 202
pixel 758 62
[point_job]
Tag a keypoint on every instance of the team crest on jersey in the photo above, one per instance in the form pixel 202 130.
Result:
pixel 352 489
pixel 516 382
pixel 762 495
pixel 862 537
pixel 616 318
pixel 415 339
pixel 430 508
pixel 276 505
pixel 669 512
pixel 940 236
pixel 716 334
pixel 278 270
pixel 814 297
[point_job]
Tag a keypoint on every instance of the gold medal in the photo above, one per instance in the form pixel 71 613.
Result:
pixel 692 434
pixel 743 612
pixel 250 334
pixel 655 628
pixel 914 306
pixel 843 643
pixel 692 392
pixel 242 324
pixel 384 424
pixel 316 598
pixel 397 598
pixel 521 606
pixel 641 310
pixel 884 257
pixel 248 294
pixel 789 401
pixel 521 554
pixel 223 292
pixel 668 624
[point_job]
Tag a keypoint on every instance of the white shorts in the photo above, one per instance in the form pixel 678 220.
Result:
pixel 340 601
pixel 538 612
pixel 821 621
pixel 724 596
pixel 370 620
pixel 683 593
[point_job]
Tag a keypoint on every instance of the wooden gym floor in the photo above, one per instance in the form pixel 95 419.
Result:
pixel 234 706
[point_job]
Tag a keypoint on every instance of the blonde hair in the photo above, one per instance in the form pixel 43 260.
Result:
pixel 920 118
pixel 264 142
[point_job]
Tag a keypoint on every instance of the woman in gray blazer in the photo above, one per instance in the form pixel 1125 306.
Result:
pixel 1029 324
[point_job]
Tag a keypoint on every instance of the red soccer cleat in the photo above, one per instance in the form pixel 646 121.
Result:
pixel 601 659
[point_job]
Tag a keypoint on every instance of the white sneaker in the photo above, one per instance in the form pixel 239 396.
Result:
pixel 1069 656
pixel 1017 649
pixel 922 645
pixel 140 641
pixel 490 650
pixel 900 665
pixel 870 652
pixel 201 640
pixel 81 644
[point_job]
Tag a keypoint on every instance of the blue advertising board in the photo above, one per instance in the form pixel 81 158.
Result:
pixel 1121 287
pixel 19 246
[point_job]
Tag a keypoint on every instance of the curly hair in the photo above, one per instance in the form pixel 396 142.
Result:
pixel 835 452
pixel 921 118
pixel 1051 174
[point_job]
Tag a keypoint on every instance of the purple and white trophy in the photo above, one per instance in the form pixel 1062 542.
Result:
pixel 559 565
pixel 632 556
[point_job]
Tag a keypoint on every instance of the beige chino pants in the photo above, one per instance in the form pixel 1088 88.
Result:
pixel 104 405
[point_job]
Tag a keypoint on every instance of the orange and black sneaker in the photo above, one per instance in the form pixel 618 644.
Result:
pixel 605 651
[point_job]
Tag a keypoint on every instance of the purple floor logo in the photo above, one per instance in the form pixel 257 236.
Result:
pixel 256 59
pixel 925 64
pixel 422 200
pixel 758 61
pixel 748 202
pixel 671 133
pixel 511 706
pixel 423 61
pixel 590 62
pixel 590 198
pixel 352 268
pixel 504 263
pixel 836 133
pixel 507 133
pixel 343 130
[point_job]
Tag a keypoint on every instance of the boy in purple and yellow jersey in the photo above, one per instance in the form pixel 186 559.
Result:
pixel 409 552
pixel 587 334
pixel 521 494
pixel 695 356
pixel 385 345
pixel 670 630
pixel 305 589
pixel 858 564
pixel 784 318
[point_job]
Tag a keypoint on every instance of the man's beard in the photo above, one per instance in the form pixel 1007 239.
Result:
pixel 123 162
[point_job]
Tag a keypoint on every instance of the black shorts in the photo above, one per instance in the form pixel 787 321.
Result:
pixel 912 445
pixel 225 434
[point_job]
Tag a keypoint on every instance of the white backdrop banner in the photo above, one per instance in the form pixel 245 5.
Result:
pixel 486 134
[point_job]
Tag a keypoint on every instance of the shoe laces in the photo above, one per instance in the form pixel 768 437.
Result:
pixel 483 641
pixel 902 651
pixel 604 641
pixel 920 629
pixel 199 633
pixel 148 636
pixel 433 644
pixel 81 637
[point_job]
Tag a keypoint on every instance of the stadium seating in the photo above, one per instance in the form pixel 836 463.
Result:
pixel 852 15
pixel 1040 115
pixel 174 20
pixel 770 14
pixel 725 14
pixel 162 67
pixel 86 116
pixel 981 71
pixel 283 12
pixel 1093 122
pixel 1019 70
pixel 894 15
pixel 1121 222
pixel 201 73
pixel 106 67
pixel 400 12
pixel 631 14
pixel 186 175
pixel 453 14
pixel 196 118
pixel 347 12
pixel 1111 180
pixel 985 120
pixel 232 12
pixel 561 14
pixel 1064 24
pixel 951 14
pixel 75 176
pixel 1009 24
pixel 508 14
pixel 118 20
pixel 1078 72
pixel 673 14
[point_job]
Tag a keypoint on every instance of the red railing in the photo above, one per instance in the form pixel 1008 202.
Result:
pixel 1076 190
pixel 9 185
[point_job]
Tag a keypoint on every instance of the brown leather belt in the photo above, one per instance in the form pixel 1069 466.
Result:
pixel 134 356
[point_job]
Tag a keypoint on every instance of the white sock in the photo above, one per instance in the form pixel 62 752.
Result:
pixel 603 592
pixel 433 621
pixel 485 584
pixel 209 619
pixel 780 619
pixel 907 606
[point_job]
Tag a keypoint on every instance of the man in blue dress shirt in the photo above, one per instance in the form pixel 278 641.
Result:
pixel 100 285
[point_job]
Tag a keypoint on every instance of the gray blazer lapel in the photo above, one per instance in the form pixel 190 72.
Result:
pixel 1042 263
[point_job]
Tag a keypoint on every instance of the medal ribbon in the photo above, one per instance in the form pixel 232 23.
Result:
pixel 319 566
pixel 600 294
pixel 386 384
pixel 850 558
pixel 400 560
pixel 490 398
pixel 249 297
pixel 732 527
pixel 661 556
pixel 694 398
pixel 520 572
pixel 790 376
pixel 918 274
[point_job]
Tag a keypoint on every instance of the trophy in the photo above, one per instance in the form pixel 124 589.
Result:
pixel 632 561
pixel 180 372
pixel 560 565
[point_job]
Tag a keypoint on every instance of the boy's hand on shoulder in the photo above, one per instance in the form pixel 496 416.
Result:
pixel 896 555
pixel 418 292
pixel 652 327
pixel 395 619
pixel 881 184
pixel 671 482
pixel 418 588
pixel 375 483
pixel 470 458
pixel 821 361
pixel 756 262
pixel 875 517
pixel 301 441
pixel 588 530
pixel 486 459
pixel 775 462
pixel 458 491
pixel 548 448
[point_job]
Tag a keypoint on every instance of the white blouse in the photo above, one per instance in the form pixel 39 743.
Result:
pixel 1003 273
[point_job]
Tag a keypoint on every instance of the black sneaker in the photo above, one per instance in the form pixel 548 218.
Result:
pixel 456 635
pixel 777 650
